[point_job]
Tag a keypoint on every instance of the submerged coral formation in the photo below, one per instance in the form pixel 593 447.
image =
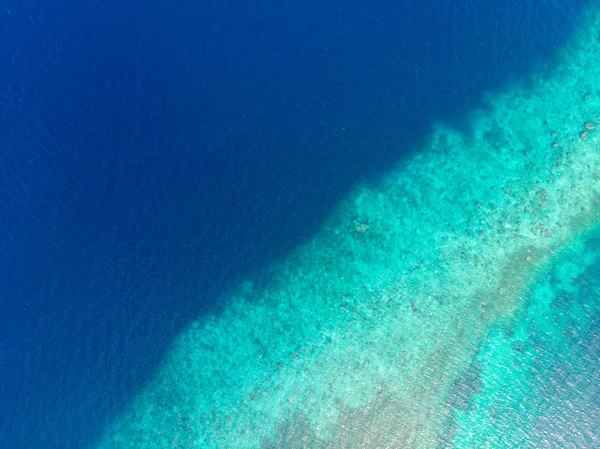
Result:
pixel 359 338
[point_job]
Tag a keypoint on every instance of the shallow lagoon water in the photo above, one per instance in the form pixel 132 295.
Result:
pixel 534 381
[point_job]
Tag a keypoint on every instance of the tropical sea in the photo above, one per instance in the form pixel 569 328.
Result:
pixel 282 225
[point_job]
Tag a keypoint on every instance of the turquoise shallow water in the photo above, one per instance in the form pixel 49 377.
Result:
pixel 535 380
pixel 431 310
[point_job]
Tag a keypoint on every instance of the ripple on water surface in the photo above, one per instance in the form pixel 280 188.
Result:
pixel 386 329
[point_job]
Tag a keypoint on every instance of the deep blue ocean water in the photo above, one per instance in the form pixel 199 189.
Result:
pixel 152 153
